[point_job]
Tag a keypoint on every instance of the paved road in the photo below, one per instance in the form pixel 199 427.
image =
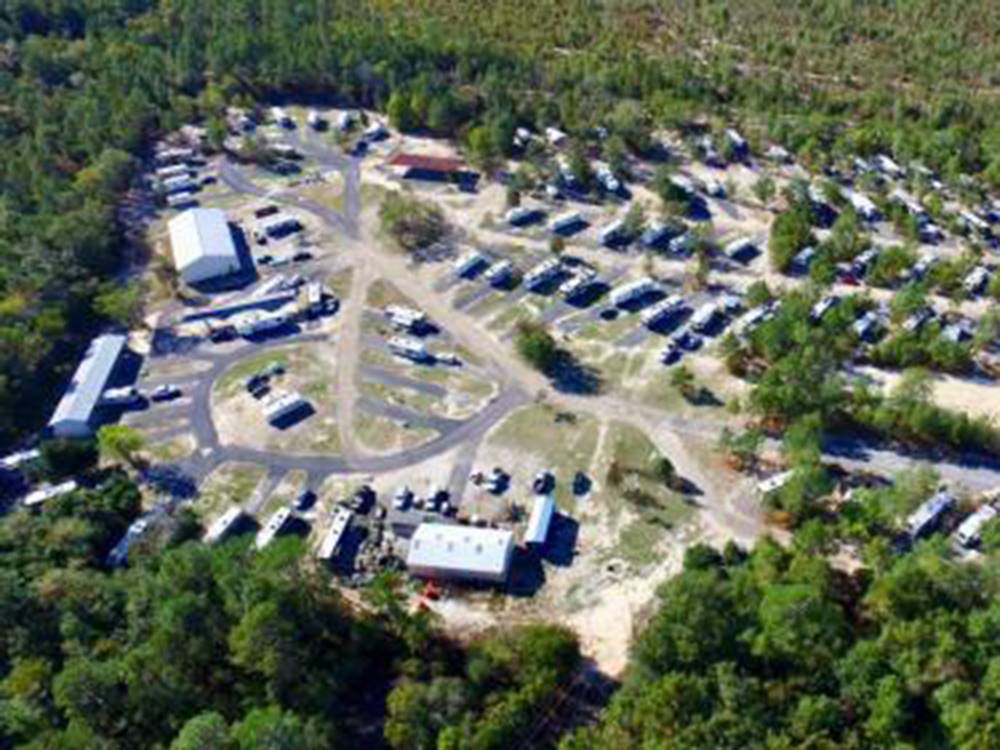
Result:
pixel 403 414
pixel 394 380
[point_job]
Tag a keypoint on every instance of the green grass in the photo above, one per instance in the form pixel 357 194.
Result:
pixel 230 484
pixel 639 487
pixel 172 449
pixel 232 379
pixel 382 293
pixel 383 434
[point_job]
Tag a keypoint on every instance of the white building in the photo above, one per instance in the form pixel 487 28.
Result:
pixel 73 415
pixel 466 553
pixel 540 520
pixel 272 528
pixel 202 245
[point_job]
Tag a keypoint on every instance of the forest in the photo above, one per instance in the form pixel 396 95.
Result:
pixel 86 84
pixel 195 646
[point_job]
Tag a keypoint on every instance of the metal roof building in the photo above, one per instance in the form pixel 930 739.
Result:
pixel 202 245
pixel 465 553
pixel 72 417
pixel 540 520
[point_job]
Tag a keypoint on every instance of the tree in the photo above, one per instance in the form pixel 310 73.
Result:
pixel 536 346
pixel 400 111
pixel 121 303
pixel 791 231
pixel 119 442
pixel 66 457
pixel 413 224
pixel 683 380
pixel 635 219
pixel 207 731
pixel 764 189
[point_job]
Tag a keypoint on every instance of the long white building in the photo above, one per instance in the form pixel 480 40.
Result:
pixel 202 245
pixel 74 414
pixel 465 553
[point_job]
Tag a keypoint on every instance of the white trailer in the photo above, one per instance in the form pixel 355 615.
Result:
pixel 330 545
pixel 274 526
pixel 279 405
pixel 704 317
pixel 281 117
pixel 566 221
pixel 863 205
pixel 612 232
pixel 633 290
pixel 221 527
pixel 409 348
pixel 259 322
pixel 969 531
pixel 405 318
pixel 663 310
pixel 500 273
pixel 542 274
pixel 468 263
pixel 315 120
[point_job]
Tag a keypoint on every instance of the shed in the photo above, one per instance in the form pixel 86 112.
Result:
pixel 465 553
pixel 202 245
pixel 75 411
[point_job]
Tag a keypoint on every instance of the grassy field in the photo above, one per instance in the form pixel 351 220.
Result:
pixel 339 282
pixel 230 382
pixel 565 443
pixel 230 484
pixel 387 435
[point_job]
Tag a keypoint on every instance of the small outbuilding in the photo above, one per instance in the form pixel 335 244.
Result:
pixel 202 245
pixel 540 520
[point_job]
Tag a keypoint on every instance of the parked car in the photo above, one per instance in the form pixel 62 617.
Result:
pixel 302 255
pixel 305 500
pixel 543 482
pixel 165 392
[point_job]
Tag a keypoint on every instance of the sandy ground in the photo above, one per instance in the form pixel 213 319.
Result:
pixel 979 398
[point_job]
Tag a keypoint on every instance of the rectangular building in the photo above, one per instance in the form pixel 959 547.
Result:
pixel 74 414
pixel 202 245
pixel 540 520
pixel 461 553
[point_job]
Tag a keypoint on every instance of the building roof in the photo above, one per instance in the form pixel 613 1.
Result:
pixel 463 549
pixel 84 390
pixel 200 233
pixel 540 520
pixel 430 163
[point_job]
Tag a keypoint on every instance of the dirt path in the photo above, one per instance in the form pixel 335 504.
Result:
pixel 348 352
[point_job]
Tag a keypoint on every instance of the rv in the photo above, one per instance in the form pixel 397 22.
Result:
pixel 468 263
pixel 542 274
pixel 405 318
pixel 924 518
pixel 969 532
pixel 565 222
pixel 279 405
pixel 500 273
pixel 822 307
pixel 663 310
pixel 521 215
pixel 409 348
pixel 281 118
pixel 705 317
pixel 612 233
pixel 634 290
